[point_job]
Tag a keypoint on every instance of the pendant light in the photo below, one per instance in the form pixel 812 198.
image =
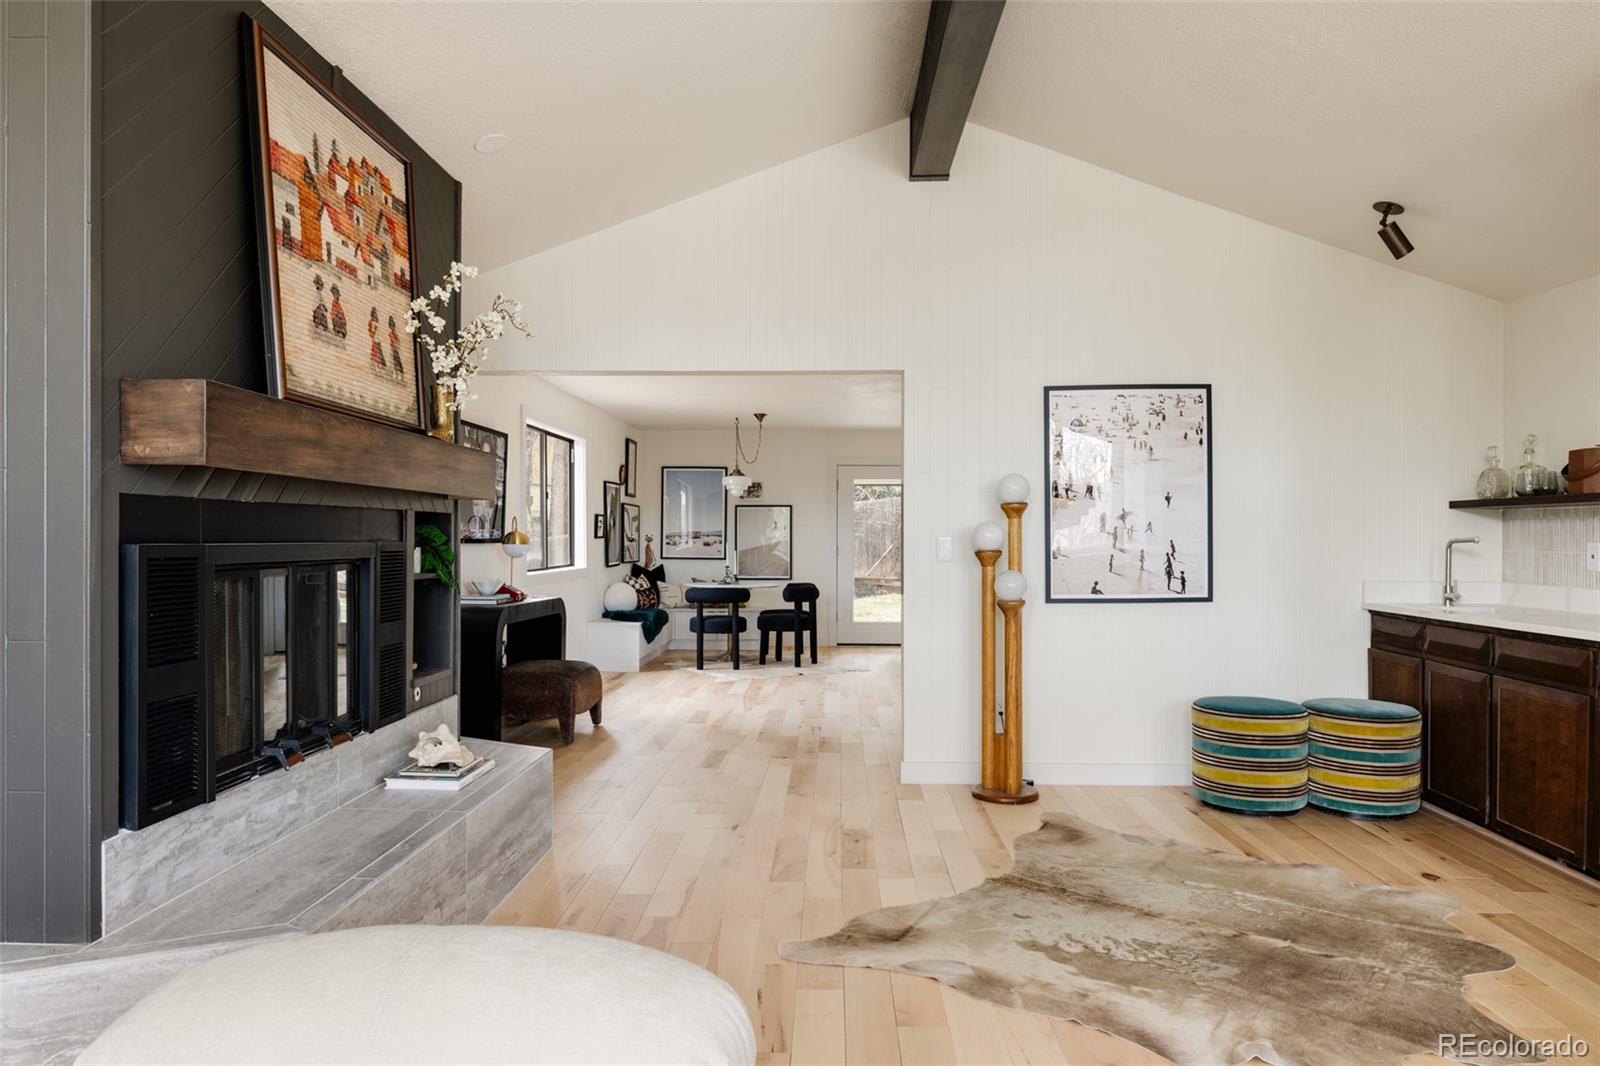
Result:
pixel 736 480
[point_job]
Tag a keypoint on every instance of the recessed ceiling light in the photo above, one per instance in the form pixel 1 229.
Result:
pixel 492 142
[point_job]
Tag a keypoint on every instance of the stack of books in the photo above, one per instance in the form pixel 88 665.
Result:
pixel 497 598
pixel 445 778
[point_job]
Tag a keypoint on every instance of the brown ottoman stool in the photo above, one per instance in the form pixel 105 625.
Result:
pixel 550 688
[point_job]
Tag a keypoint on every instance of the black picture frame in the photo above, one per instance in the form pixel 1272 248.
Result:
pixel 755 574
pixel 599 527
pixel 630 468
pixel 257 42
pixel 611 500
pixel 667 549
pixel 1054 465
pixel 485 439
pixel 630 521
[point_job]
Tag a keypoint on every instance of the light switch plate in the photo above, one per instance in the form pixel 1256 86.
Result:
pixel 942 549
pixel 1593 562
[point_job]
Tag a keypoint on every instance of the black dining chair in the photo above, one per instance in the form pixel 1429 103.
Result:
pixel 799 620
pixel 701 624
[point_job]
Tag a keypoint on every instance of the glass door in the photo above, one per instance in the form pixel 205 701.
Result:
pixel 867 599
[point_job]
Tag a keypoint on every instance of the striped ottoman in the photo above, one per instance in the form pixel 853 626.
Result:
pixel 1249 753
pixel 1366 757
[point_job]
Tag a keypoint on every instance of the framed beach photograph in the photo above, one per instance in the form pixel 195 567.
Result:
pixel 763 539
pixel 1127 486
pixel 630 532
pixel 611 500
pixel 485 519
pixel 630 467
pixel 694 512
pixel 334 240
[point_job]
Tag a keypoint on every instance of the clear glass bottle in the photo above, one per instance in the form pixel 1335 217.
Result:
pixel 1530 479
pixel 1495 481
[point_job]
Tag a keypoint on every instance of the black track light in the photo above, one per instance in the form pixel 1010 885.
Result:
pixel 1394 238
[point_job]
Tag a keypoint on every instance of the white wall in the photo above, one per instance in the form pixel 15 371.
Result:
pixel 795 467
pixel 1552 371
pixel 1552 388
pixel 505 402
pixel 1352 400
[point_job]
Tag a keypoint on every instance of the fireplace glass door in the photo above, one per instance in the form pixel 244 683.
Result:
pixel 284 661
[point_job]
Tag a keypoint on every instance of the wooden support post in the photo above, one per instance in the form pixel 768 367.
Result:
pixel 992 766
pixel 1014 534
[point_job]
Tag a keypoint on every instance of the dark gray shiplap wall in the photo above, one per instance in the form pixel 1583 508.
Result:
pixel 46 470
pixel 144 106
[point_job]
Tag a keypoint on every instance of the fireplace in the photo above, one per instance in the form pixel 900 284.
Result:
pixel 242 659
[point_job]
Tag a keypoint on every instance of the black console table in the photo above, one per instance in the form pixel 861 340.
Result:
pixel 535 628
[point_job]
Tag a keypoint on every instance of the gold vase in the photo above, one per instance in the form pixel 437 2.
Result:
pixel 444 422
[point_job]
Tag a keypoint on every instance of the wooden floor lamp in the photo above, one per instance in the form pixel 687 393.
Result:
pixel 1001 771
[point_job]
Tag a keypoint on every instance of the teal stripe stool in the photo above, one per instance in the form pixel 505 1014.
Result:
pixel 1366 757
pixel 1249 753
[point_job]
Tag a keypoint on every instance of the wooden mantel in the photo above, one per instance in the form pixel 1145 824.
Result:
pixel 196 422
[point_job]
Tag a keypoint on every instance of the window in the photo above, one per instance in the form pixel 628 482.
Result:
pixel 550 499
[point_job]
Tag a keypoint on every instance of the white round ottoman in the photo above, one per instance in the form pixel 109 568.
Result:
pixel 436 994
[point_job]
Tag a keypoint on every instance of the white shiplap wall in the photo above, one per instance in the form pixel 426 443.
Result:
pixel 1351 401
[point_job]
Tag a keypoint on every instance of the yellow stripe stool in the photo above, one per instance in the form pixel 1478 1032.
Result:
pixel 1249 753
pixel 1366 757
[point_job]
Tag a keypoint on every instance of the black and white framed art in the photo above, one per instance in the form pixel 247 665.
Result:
pixel 1127 486
pixel 694 512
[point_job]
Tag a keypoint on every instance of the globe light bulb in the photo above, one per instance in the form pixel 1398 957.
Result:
pixel 1013 489
pixel 1010 586
pixel 988 537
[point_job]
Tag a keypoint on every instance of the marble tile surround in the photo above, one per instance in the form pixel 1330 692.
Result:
pixel 1547 546
pixel 382 858
pixel 142 870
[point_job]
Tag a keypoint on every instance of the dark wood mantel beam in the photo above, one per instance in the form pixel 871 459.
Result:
pixel 959 35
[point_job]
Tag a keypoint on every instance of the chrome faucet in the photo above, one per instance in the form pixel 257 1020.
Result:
pixel 1452 595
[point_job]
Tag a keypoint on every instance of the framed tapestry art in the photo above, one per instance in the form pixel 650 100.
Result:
pixel 764 540
pixel 486 519
pixel 334 236
pixel 694 512
pixel 1127 485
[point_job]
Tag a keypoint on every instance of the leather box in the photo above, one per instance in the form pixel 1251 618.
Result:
pixel 1583 470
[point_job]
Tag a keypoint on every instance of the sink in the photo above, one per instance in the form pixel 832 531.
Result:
pixel 1472 608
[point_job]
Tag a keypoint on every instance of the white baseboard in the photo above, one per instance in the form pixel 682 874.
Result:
pixel 1052 773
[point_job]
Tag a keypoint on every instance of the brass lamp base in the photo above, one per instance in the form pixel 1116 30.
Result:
pixel 1028 794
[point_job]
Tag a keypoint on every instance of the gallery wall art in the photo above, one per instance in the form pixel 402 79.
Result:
pixel 1127 489
pixel 763 538
pixel 485 519
pixel 334 225
pixel 611 500
pixel 630 532
pixel 694 512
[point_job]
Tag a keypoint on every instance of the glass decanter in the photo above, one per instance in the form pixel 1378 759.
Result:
pixel 1531 478
pixel 1495 481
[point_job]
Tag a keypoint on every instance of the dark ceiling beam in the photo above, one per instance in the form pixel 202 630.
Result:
pixel 953 54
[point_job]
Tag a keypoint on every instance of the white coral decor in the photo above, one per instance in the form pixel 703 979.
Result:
pixel 456 360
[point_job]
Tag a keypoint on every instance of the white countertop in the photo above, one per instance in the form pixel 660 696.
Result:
pixel 1554 612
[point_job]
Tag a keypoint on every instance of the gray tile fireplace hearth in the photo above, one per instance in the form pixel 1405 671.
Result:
pixel 322 846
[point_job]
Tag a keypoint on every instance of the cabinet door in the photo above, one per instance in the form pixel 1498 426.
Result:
pixel 1455 727
pixel 1398 679
pixel 1542 767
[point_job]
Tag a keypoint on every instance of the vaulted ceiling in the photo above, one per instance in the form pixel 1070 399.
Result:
pixel 1483 118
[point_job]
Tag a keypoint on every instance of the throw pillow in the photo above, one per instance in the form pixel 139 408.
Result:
pixel 656 576
pixel 648 597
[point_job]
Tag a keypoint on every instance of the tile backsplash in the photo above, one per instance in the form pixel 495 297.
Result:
pixel 1547 546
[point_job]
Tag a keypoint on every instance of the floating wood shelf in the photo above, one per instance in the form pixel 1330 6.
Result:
pixel 196 422
pixel 1590 499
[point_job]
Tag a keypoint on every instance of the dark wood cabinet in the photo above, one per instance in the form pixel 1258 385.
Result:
pixel 1455 716
pixel 1541 786
pixel 1510 727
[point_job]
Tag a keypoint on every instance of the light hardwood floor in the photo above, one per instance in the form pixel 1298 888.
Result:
pixel 714 820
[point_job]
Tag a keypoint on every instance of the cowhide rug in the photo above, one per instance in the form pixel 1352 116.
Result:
pixel 1201 956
